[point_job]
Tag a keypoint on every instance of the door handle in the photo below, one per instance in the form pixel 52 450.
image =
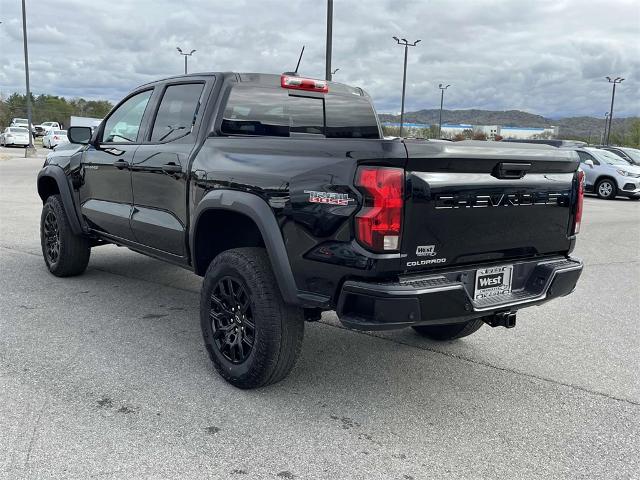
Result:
pixel 120 164
pixel 171 168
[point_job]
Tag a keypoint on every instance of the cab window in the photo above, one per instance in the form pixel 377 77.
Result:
pixel 177 112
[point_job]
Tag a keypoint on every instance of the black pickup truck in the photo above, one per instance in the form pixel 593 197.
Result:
pixel 283 194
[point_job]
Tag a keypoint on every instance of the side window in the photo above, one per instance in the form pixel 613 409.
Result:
pixel 177 112
pixel 584 156
pixel 350 117
pixel 123 125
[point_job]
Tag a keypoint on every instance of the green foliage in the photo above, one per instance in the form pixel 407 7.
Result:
pixel 50 108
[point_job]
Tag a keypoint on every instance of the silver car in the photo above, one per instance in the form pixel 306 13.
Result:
pixel 608 175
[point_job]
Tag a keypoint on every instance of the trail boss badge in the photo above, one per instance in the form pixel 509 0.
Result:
pixel 329 198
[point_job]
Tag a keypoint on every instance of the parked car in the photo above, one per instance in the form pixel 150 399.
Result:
pixel 282 193
pixel 22 122
pixel 631 155
pixel 608 175
pixel 45 127
pixel 54 137
pixel 14 136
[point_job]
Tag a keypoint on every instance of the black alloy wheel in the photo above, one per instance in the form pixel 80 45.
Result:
pixel 51 237
pixel 234 330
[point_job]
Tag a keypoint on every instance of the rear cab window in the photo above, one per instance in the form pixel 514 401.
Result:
pixel 177 112
pixel 266 111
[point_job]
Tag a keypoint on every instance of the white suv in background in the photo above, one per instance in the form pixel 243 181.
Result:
pixel 608 175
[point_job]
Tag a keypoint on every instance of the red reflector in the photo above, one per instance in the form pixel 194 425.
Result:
pixel 299 83
pixel 379 223
pixel 579 203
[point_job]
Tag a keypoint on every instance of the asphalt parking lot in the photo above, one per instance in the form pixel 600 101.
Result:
pixel 105 376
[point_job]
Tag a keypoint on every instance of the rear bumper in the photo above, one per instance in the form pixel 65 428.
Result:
pixel 447 297
pixel 16 141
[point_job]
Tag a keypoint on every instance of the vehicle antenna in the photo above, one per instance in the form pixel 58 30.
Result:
pixel 299 60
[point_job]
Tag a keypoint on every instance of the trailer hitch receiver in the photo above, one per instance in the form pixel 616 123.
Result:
pixel 502 319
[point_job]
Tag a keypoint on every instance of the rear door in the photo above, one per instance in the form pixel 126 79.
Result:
pixel 160 168
pixel 470 204
pixel 105 194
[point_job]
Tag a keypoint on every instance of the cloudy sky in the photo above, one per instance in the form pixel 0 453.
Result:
pixel 546 56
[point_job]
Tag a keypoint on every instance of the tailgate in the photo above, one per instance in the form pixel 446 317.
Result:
pixel 468 203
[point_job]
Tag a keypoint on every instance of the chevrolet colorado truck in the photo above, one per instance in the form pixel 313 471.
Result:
pixel 283 194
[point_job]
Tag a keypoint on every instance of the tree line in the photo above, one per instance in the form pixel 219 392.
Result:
pixel 50 108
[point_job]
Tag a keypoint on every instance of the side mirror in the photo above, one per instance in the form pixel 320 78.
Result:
pixel 589 162
pixel 80 135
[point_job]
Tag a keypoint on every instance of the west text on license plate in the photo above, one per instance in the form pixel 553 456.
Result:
pixel 493 282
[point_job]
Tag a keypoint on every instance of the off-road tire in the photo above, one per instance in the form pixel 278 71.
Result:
pixel 449 332
pixel 73 251
pixel 278 328
pixel 613 189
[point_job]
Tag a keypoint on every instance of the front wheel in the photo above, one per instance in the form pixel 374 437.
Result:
pixel 252 336
pixel 65 253
pixel 606 189
pixel 449 332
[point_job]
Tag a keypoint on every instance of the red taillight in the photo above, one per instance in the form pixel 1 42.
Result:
pixel 579 203
pixel 299 83
pixel 379 223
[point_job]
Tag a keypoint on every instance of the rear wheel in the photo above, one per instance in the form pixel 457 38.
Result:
pixel 606 189
pixel 449 332
pixel 252 336
pixel 65 253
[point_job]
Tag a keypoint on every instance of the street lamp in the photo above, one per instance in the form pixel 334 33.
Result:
pixel 329 41
pixel 26 74
pixel 604 133
pixel 615 81
pixel 185 57
pixel 406 45
pixel 442 89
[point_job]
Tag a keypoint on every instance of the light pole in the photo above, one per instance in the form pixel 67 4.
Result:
pixel 442 89
pixel 604 133
pixel 334 71
pixel 615 81
pixel 406 45
pixel 26 72
pixel 185 57
pixel 329 40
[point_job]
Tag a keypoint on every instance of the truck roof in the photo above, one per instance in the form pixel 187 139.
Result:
pixel 265 79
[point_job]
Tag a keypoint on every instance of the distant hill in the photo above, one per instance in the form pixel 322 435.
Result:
pixel 571 127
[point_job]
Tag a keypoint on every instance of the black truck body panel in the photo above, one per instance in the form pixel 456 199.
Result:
pixel 465 206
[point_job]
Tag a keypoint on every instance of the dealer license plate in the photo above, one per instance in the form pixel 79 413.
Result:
pixel 493 282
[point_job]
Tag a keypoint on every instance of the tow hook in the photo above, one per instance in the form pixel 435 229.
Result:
pixel 501 319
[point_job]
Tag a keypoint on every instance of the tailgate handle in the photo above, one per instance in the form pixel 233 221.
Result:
pixel 511 170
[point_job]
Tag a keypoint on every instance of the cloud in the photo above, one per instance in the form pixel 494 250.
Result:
pixel 548 57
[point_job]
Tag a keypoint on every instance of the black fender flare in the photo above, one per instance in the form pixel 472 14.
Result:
pixel 58 175
pixel 259 211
